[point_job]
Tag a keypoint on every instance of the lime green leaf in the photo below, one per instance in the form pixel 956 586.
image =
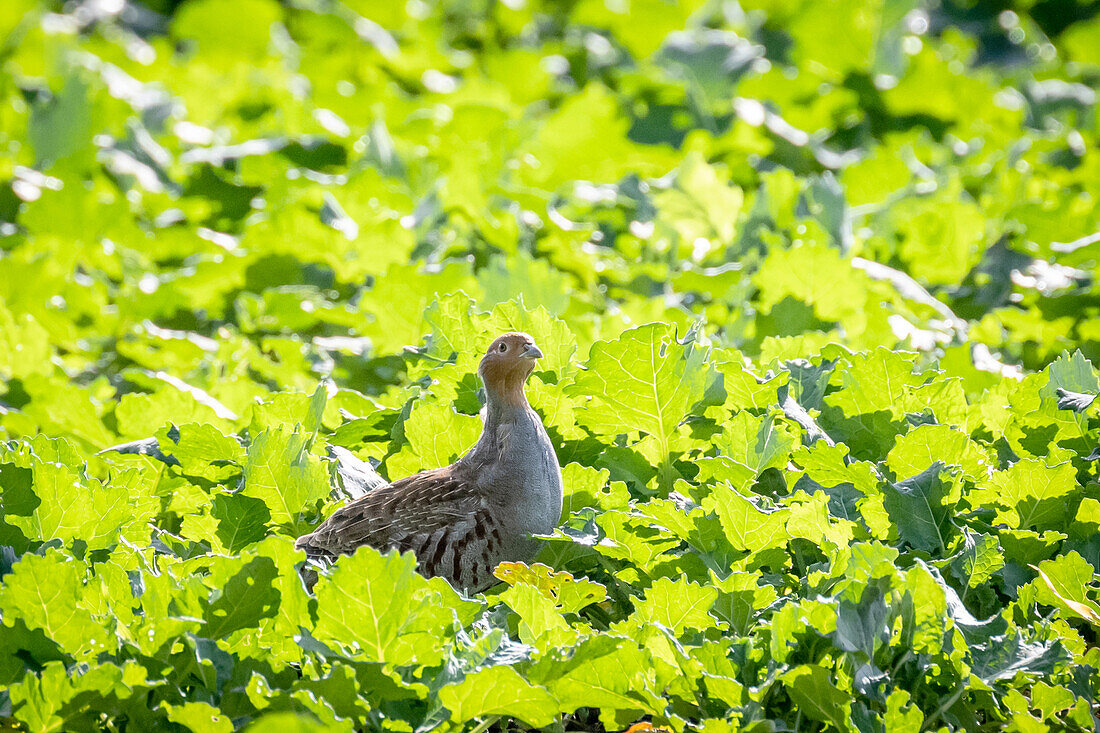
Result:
pixel 371 603
pixel 812 689
pixel 1036 494
pixel 677 605
pixel 926 444
pixel 644 380
pixel 281 472
pixel 979 559
pixel 437 435
pixel 200 717
pixel 756 443
pixel 45 591
pixel 1064 583
pixel 747 527
pixel 242 520
pixel 602 672
pixel 498 691
pixel 541 624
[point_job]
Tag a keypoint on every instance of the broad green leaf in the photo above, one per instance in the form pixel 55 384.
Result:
pixel 978 560
pixel 878 381
pixel 199 716
pixel 398 300
pixel 745 391
pixel 645 380
pixel 602 672
pixel 241 519
pixel 569 594
pixel 747 527
pixel 203 451
pixel 921 508
pixel 246 598
pixel 812 689
pixel 281 472
pixel 1064 583
pixel 379 609
pixel 45 701
pixel 677 605
pixel 818 276
pixel 45 592
pixel 925 444
pixel 541 624
pixel 72 506
pixel 25 345
pixel 830 465
pixel 498 691
pixel 586 486
pixel 756 443
pixel 437 435
pixel 1035 494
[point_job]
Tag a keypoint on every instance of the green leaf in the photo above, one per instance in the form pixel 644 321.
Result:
pixel 820 277
pixel 281 472
pixel 242 520
pixel 702 207
pixel 247 598
pixel 379 609
pixel 678 605
pixel 978 560
pixel 585 486
pixel 745 391
pixel 747 528
pixel 921 508
pixel 926 444
pixel 600 672
pixel 812 689
pixel 1035 493
pixel 203 451
pixel 24 345
pixel 1064 583
pixel 498 691
pixel 72 506
pixel 878 381
pixel 541 624
pixel 243 35
pixel 45 592
pixel 437 434
pixel 198 717
pixel 644 380
pixel 756 443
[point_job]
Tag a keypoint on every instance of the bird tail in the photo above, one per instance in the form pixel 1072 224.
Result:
pixel 356 477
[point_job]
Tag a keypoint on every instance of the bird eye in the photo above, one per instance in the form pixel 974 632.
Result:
pixel 503 347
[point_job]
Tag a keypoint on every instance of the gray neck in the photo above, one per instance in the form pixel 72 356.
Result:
pixel 499 409
pixel 499 415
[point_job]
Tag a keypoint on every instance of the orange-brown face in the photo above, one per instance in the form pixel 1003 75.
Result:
pixel 507 364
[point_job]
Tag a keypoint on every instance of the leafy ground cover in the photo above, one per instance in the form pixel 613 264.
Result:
pixel 816 285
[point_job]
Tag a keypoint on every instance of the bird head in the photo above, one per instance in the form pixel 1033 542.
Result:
pixel 506 366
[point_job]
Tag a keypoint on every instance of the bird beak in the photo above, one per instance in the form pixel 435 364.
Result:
pixel 532 352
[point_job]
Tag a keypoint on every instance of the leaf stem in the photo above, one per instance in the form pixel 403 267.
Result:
pixel 947 703
pixel 484 725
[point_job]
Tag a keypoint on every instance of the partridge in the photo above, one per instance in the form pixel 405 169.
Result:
pixel 464 519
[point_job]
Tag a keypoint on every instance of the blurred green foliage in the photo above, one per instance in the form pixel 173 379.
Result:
pixel 816 285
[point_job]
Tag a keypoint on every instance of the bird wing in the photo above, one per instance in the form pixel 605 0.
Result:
pixel 399 515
